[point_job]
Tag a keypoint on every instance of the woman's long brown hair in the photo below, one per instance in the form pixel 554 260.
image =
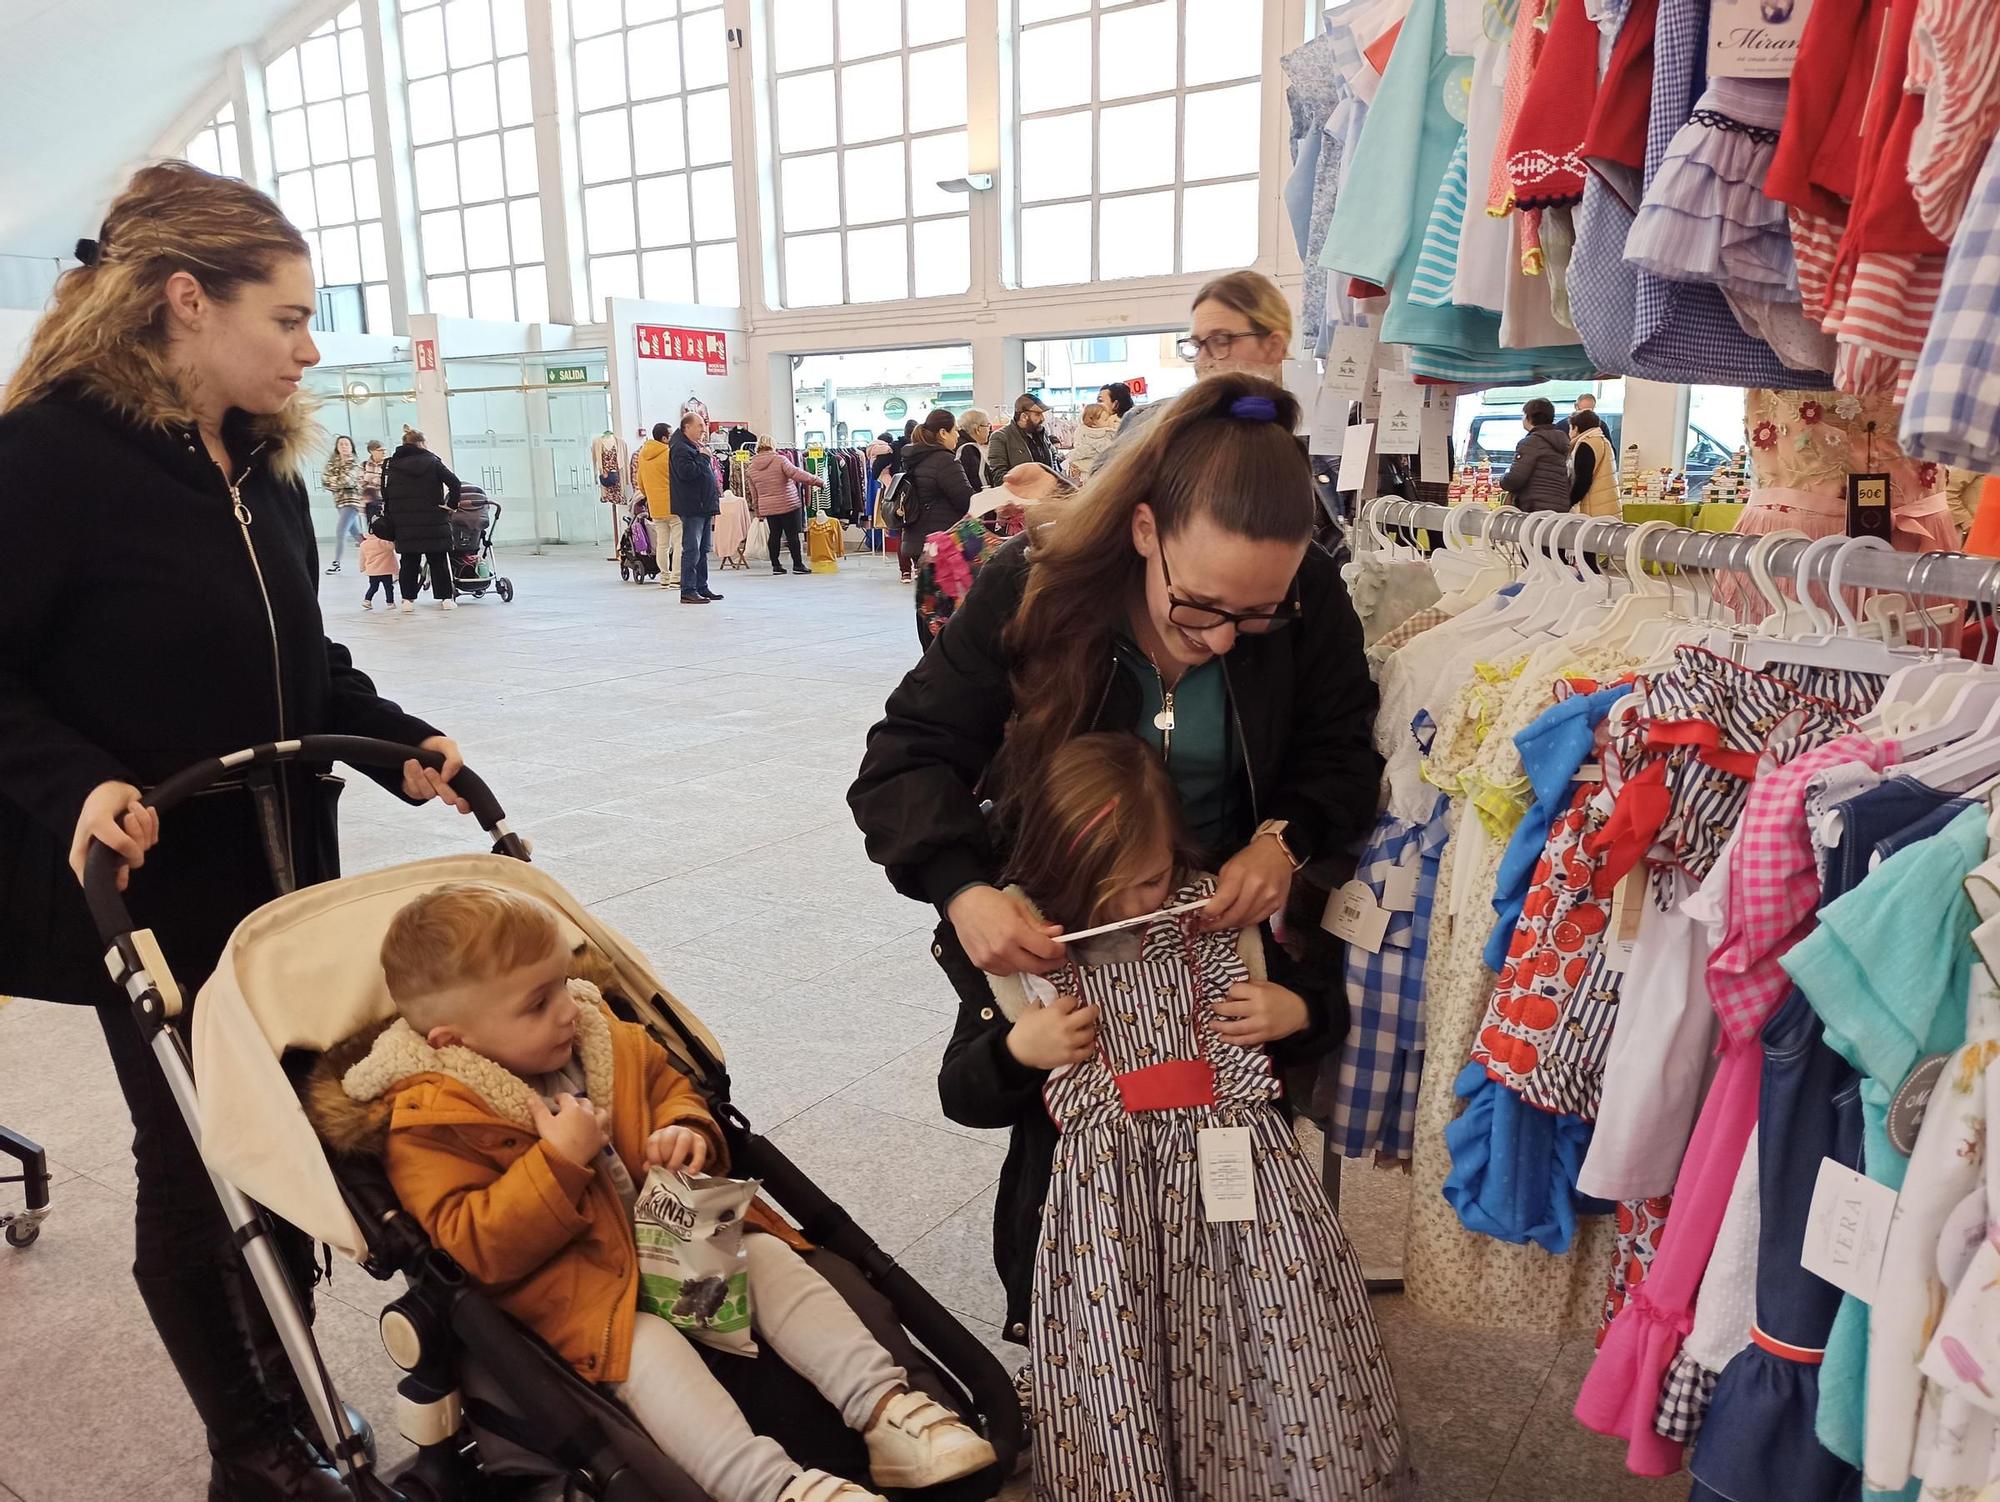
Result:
pixel 1248 476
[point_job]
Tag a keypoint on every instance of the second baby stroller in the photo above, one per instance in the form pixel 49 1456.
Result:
pixel 491 1408
pixel 473 522
pixel 637 558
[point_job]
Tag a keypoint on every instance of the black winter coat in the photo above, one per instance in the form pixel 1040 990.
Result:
pixel 416 489
pixel 135 640
pixel 691 476
pixel 1303 708
pixel 937 491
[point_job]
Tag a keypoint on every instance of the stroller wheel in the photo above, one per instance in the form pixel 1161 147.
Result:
pixel 23 1232
pixel 505 589
pixel 624 571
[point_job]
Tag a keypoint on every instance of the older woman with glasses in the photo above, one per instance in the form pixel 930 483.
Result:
pixel 1178 598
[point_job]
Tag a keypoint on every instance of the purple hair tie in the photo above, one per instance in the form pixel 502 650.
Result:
pixel 1254 409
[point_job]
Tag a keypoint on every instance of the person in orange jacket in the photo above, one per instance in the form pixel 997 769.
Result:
pixel 522 1118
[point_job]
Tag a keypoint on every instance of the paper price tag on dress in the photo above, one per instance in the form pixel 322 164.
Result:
pixel 1402 415
pixel 1847 1229
pixel 1228 1173
pixel 1353 914
pixel 1357 457
pixel 1399 890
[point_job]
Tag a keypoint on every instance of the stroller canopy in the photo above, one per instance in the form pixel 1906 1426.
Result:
pixel 302 973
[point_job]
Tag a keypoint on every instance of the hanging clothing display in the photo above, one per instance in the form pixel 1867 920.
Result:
pixel 1694 920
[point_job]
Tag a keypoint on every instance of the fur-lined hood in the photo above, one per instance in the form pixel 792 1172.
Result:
pixel 351 1090
pixel 138 393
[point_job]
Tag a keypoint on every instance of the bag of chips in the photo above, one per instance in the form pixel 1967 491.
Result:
pixel 692 1271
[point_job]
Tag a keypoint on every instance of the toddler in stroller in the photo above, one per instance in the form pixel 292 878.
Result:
pixel 298 998
pixel 473 521
pixel 521 1118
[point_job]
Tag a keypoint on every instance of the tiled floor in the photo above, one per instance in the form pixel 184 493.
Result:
pixel 682 770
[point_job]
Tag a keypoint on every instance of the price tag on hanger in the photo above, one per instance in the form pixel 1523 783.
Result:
pixel 1434 444
pixel 1329 421
pixel 1349 362
pixel 1755 38
pixel 1847 1229
pixel 1357 458
pixel 1402 416
pixel 1621 930
pixel 1353 914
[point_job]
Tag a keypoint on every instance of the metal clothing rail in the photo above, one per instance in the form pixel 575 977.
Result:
pixel 1955 576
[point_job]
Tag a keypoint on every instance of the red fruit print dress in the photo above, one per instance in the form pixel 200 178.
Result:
pixel 1543 1036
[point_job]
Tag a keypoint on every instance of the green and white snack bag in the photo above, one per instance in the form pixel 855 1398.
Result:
pixel 692 1271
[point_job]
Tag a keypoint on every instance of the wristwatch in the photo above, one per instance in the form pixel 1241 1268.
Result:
pixel 1276 828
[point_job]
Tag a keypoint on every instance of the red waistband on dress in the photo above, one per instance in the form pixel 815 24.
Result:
pixel 1804 1355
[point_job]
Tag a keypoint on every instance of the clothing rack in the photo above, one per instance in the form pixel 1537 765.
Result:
pixel 1956 576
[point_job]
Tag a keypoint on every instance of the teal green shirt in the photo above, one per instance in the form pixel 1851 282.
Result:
pixel 1199 750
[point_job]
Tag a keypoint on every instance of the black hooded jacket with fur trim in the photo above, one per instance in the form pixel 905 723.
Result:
pixel 143 628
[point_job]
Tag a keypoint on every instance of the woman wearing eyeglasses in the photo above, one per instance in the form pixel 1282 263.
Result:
pixel 1241 324
pixel 1179 598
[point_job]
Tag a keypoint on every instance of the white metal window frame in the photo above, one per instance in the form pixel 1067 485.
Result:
pixel 374 289
pixel 507 200
pixel 223 154
pixel 636 181
pixel 776 232
pixel 1179 93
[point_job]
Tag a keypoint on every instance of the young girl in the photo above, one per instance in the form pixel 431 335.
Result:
pixel 1187 1340
pixel 378 562
pixel 1093 436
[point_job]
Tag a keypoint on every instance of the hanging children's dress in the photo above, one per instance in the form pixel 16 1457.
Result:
pixel 1177 1356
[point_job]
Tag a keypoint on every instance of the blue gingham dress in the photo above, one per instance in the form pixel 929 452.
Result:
pixel 1367 1094
pixel 1953 411
pixel 1176 1358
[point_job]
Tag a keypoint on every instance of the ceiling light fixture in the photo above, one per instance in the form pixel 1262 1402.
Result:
pixel 972 182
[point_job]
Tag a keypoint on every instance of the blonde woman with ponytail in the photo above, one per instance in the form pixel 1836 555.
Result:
pixel 158 405
pixel 1177 597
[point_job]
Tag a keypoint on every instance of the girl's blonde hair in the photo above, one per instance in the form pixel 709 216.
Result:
pixel 764 445
pixel 107 326
pixel 1088 829
pixel 1255 296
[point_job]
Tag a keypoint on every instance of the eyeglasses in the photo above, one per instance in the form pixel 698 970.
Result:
pixel 1190 616
pixel 1218 345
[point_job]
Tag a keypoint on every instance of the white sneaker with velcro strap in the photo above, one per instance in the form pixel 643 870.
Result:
pixel 818 1486
pixel 918 1442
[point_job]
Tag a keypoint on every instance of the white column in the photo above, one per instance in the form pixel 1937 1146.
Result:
pixel 1656 422
pixel 245 76
pixel 433 407
pixel 1285 27
pixel 754 169
pixel 402 246
pixel 556 165
pixel 984 125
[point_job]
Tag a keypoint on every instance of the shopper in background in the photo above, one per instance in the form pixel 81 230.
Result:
pixel 417 494
pixel 774 493
pixel 1538 479
pixel 653 480
pixel 371 479
pixel 165 373
pixel 1023 441
pixel 697 501
pixel 342 480
pixel 975 431
pixel 935 492
pixel 1095 432
pixel 893 465
pixel 1118 397
pixel 1584 403
pixel 1239 324
pixel 1593 468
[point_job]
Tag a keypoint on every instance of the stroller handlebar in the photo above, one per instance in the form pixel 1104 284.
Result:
pixel 101 864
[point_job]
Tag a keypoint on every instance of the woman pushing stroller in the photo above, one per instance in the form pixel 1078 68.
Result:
pixel 165 376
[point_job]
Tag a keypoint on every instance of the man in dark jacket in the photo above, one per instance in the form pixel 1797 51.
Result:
pixel 1538 479
pixel 417 492
pixel 1022 441
pixel 697 501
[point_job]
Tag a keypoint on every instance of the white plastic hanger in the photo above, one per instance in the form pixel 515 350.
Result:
pixel 1592 604
pixel 1556 585
pixel 1845 649
pixel 1650 599
pixel 1492 574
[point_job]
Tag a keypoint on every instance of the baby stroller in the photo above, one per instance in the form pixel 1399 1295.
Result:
pixel 636 559
pixel 473 522
pixel 493 1411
